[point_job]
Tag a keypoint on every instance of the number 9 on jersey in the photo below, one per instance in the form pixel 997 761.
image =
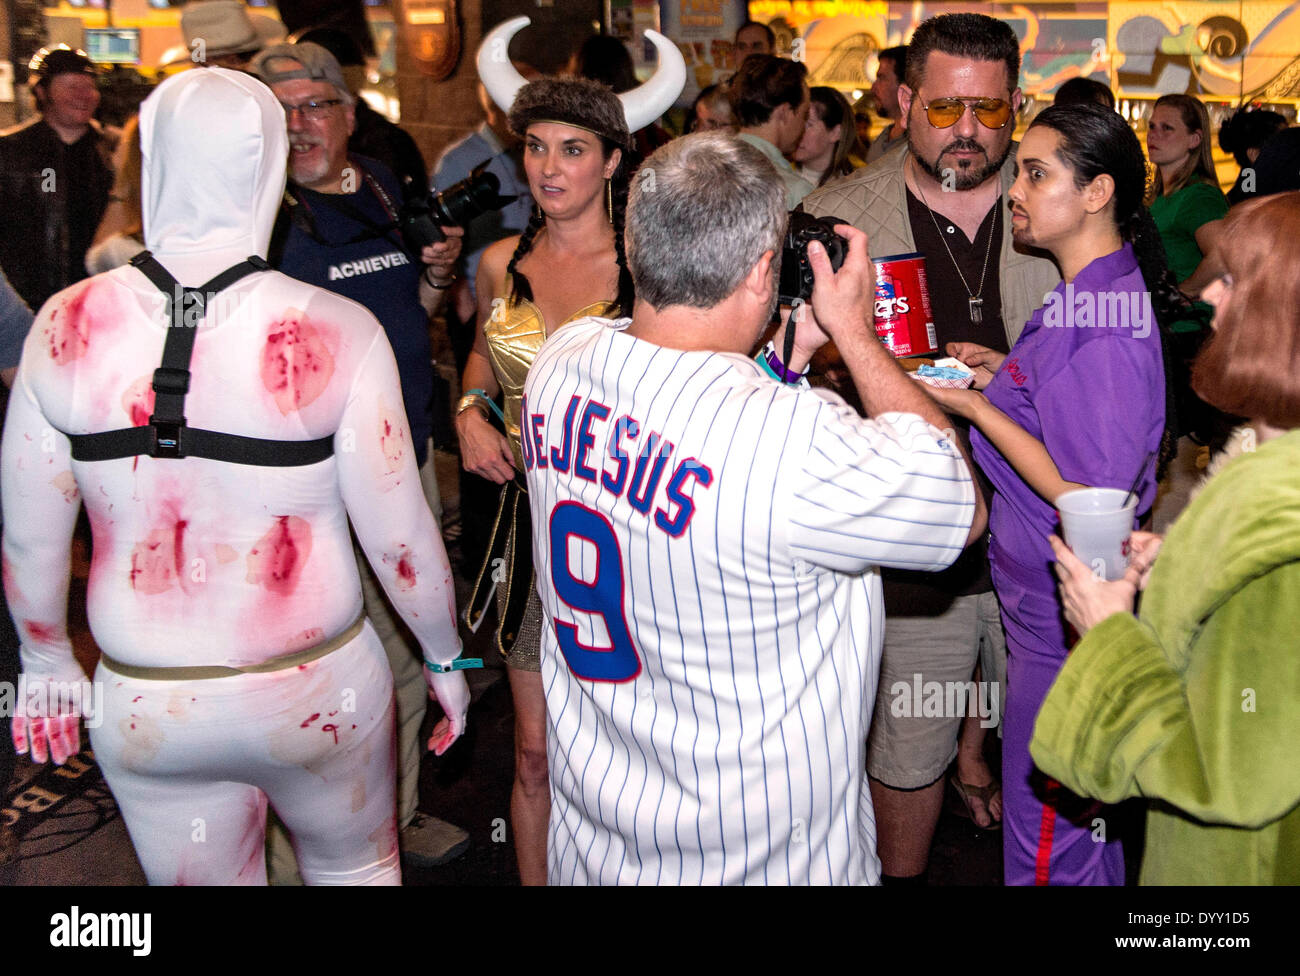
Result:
pixel 602 597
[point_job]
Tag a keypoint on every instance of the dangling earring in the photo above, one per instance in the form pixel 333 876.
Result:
pixel 609 200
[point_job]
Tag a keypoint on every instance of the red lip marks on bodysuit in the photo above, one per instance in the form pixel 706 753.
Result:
pixel 66 483
pixel 296 362
pixel 304 639
pixel 158 562
pixel 68 333
pixel 277 559
pixel 10 583
pixel 43 633
pixel 154 561
pixel 137 401
pixel 401 561
pixel 252 842
pixel 392 437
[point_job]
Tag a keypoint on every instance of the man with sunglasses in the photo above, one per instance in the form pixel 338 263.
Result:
pixel 944 198
pixel 337 229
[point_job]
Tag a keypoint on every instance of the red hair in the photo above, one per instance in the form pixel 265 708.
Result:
pixel 1251 365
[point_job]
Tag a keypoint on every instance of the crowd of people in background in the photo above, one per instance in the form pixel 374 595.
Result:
pixel 1109 690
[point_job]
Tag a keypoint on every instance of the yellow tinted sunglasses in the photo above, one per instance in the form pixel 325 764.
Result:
pixel 993 113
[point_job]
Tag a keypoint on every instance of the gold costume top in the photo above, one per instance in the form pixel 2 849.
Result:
pixel 515 331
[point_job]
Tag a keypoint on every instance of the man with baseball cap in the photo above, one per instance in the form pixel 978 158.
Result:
pixel 55 177
pixel 338 230
pixel 374 135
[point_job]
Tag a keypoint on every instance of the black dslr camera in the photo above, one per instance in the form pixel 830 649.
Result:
pixel 422 212
pixel 796 273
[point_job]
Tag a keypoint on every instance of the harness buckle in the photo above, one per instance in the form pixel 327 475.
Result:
pixel 165 438
pixel 170 381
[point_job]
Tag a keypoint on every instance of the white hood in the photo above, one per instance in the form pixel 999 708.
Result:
pixel 215 150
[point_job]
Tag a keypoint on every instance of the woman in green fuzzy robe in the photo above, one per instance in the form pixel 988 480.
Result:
pixel 1195 702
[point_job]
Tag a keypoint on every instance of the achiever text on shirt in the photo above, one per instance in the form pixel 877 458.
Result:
pixel 380 262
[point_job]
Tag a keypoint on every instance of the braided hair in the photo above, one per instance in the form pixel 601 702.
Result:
pixel 1096 140
pixel 619 183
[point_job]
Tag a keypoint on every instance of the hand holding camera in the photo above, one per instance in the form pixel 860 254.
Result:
pixel 841 292
pixel 425 217
pixel 801 335
pixel 440 259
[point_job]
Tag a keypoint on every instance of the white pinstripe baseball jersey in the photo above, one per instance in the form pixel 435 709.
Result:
pixel 706 542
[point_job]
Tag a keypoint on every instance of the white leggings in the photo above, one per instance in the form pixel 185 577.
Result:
pixel 192 765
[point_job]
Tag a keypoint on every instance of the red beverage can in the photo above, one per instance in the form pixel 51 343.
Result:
pixel 902 314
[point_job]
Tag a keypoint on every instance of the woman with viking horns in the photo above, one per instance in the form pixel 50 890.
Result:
pixel 567 264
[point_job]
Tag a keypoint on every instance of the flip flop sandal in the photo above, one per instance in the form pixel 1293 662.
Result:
pixel 967 793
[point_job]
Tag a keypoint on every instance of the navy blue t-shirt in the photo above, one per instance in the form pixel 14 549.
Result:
pixel 378 273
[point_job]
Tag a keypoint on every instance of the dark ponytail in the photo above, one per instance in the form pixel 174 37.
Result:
pixel 1170 305
pixel 1096 140
pixel 619 185
pixel 519 282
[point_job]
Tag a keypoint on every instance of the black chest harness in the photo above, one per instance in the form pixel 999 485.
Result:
pixel 167 435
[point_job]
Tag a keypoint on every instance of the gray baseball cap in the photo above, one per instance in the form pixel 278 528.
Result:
pixel 287 62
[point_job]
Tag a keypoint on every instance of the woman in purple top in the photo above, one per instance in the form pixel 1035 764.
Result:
pixel 1080 401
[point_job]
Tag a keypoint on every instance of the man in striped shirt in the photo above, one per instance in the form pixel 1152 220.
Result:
pixel 706 540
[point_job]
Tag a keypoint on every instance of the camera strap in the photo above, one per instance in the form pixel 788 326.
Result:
pixel 300 212
pixel 167 435
pixel 787 353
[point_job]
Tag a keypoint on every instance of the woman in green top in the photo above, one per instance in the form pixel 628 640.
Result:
pixel 1195 703
pixel 1187 194
pixel 1186 198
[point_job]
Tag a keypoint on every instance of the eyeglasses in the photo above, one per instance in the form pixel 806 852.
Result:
pixel 313 111
pixel 943 113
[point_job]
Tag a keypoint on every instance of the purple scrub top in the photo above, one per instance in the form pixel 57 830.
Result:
pixel 1086 378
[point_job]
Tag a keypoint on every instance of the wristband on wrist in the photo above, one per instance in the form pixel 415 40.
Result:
pixel 770 360
pixel 437 286
pixel 459 664
pixel 480 399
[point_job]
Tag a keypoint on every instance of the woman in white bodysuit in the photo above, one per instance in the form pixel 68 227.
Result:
pixel 200 562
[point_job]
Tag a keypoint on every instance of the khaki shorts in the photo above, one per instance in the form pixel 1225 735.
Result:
pixel 926 689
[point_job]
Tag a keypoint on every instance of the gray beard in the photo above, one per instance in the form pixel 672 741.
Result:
pixel 963 179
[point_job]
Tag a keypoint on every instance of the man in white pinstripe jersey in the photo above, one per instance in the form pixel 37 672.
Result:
pixel 706 539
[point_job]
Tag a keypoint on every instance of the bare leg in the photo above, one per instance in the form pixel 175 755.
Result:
pixel 972 770
pixel 905 823
pixel 530 799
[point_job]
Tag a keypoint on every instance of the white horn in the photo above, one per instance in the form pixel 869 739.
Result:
pixel 496 72
pixel 645 103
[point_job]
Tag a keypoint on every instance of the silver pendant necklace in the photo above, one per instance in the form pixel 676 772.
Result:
pixel 975 300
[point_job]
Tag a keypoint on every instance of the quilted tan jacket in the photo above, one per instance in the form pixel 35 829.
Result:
pixel 874 200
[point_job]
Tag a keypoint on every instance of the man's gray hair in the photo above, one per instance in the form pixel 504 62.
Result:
pixel 702 210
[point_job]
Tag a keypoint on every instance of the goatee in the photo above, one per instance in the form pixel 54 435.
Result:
pixel 962 178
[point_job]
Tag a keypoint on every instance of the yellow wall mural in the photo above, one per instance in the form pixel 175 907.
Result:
pixel 1228 52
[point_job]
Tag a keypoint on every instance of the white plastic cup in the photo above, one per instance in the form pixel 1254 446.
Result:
pixel 1097 527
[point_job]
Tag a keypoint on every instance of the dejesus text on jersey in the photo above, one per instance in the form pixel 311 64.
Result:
pixel 632 461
